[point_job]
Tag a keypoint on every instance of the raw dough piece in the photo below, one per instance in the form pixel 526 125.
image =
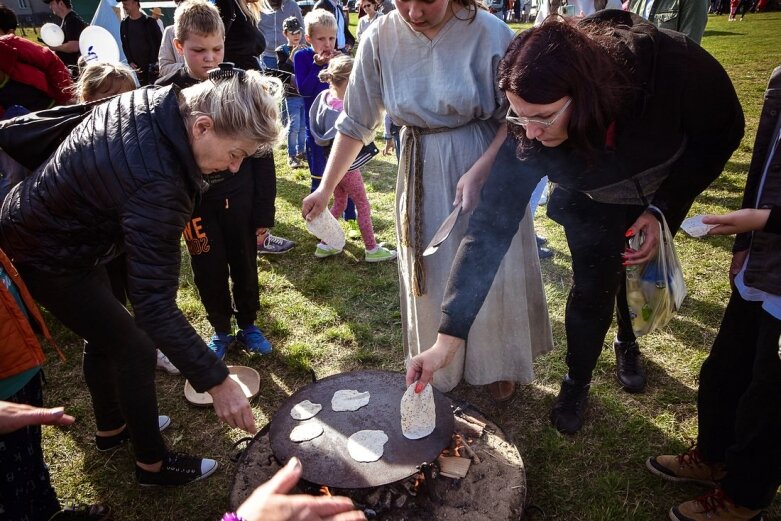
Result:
pixel 349 400
pixel 367 446
pixel 418 412
pixel 305 410
pixel 306 431
pixel 326 228
pixel 695 227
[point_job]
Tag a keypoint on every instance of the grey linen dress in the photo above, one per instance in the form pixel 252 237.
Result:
pixel 448 84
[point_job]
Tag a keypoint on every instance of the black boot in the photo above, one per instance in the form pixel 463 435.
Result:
pixel 629 368
pixel 569 410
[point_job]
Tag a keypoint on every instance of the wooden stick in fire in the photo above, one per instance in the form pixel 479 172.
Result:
pixel 468 449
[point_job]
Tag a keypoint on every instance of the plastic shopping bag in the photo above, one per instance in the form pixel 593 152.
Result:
pixel 655 290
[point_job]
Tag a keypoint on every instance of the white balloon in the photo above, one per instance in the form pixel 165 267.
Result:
pixel 97 44
pixel 52 34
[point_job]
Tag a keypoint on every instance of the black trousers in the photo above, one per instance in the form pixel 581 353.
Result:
pixel 739 403
pixel 26 492
pixel 223 250
pixel 596 239
pixel 119 358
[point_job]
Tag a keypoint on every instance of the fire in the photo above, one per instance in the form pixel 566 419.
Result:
pixel 324 490
pixel 459 445
pixel 419 479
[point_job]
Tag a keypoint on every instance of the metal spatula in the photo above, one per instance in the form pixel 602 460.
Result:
pixel 443 232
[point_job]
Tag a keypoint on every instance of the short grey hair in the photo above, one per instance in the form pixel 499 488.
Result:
pixel 244 107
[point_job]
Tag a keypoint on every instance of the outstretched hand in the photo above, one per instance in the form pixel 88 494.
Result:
pixel 14 416
pixel 269 503
pixel 740 221
pixel 648 225
pixel 232 406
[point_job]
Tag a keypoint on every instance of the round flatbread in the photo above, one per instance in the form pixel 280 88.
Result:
pixel 305 410
pixel 367 446
pixel 306 431
pixel 418 412
pixel 326 228
pixel 349 400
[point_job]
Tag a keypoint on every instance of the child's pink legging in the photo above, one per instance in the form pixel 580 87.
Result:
pixel 351 186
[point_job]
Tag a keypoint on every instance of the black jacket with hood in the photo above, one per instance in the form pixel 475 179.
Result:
pixel 124 180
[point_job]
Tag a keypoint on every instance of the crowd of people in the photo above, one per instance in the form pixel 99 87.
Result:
pixel 106 167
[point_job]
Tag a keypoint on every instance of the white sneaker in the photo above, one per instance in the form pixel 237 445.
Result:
pixel 164 364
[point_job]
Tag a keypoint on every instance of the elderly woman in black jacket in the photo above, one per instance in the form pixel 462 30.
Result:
pixel 620 115
pixel 125 181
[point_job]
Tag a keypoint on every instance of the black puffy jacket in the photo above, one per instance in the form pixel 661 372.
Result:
pixel 124 180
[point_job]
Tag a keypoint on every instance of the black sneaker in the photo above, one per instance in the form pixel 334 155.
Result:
pixel 107 443
pixel 83 513
pixel 177 469
pixel 629 367
pixel 569 410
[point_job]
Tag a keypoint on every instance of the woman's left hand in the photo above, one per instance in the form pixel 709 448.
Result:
pixel 649 226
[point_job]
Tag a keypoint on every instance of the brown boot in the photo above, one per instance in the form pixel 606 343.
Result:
pixel 502 390
pixel 714 506
pixel 686 467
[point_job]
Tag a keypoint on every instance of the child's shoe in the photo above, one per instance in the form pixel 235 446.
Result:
pixel 323 250
pixel 379 254
pixel 273 245
pixel 253 340
pixel 219 343
pixel 353 231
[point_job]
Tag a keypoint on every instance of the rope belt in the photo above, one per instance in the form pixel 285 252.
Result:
pixel 414 201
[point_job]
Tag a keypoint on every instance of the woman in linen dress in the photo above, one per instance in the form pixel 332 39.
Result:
pixel 431 64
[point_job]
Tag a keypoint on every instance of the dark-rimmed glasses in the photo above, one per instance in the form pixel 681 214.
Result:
pixel 524 121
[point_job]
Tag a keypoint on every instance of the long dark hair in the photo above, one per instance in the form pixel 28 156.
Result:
pixel 585 62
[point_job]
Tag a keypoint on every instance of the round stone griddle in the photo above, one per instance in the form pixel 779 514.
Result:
pixel 326 460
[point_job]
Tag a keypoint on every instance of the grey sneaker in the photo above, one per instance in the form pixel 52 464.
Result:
pixel 177 469
pixel 275 245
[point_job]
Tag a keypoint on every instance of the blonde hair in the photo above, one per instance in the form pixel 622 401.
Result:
pixel 319 18
pixel 338 70
pixel 243 107
pixel 197 16
pixel 101 80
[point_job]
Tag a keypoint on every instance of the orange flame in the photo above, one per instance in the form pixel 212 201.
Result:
pixel 325 491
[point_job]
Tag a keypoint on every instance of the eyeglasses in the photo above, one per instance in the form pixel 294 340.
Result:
pixel 524 121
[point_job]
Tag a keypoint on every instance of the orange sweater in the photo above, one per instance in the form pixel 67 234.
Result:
pixel 20 349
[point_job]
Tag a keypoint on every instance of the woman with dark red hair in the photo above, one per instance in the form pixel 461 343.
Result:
pixel 619 115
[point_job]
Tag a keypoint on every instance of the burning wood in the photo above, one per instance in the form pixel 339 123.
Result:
pixel 463 443
pixel 325 491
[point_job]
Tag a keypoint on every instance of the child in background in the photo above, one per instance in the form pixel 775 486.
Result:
pixel 221 235
pixel 320 28
pixel 322 118
pixel 296 133
pixel 102 80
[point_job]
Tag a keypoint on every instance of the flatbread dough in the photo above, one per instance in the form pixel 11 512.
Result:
pixel 326 228
pixel 306 431
pixel 349 400
pixel 418 412
pixel 305 410
pixel 695 227
pixel 367 446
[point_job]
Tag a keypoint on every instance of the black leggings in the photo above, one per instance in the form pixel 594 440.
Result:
pixel 596 238
pixel 119 358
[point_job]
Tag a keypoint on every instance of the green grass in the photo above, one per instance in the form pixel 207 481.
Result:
pixel 340 314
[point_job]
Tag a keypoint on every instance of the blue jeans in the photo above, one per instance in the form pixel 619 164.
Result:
pixel 296 133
